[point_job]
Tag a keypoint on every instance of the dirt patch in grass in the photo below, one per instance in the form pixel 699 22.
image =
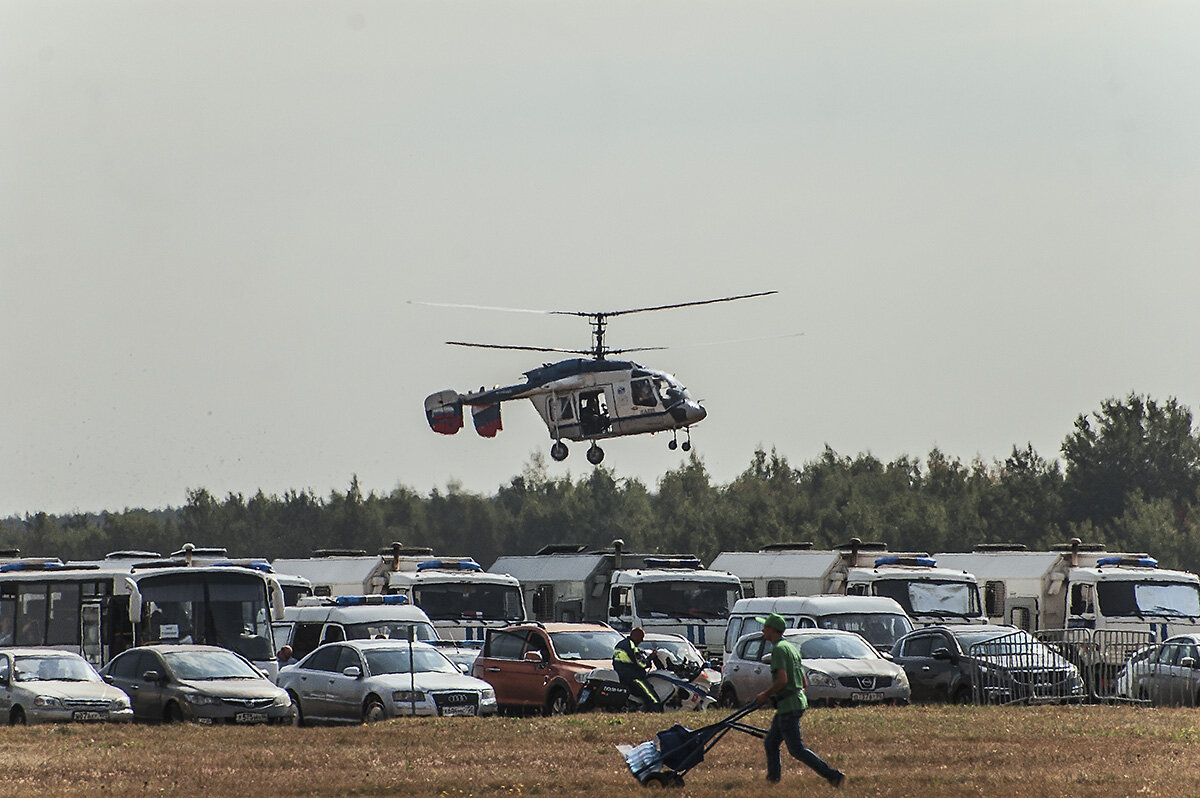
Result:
pixel 902 751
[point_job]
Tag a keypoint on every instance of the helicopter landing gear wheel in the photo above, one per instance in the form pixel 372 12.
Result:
pixel 595 455
pixel 673 445
pixel 687 445
pixel 558 452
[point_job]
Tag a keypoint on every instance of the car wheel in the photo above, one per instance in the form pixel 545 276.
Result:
pixel 963 695
pixel 559 703
pixel 297 713
pixel 729 698
pixel 173 713
pixel 17 717
pixel 374 711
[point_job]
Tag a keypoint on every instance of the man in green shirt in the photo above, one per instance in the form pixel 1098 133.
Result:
pixel 787 693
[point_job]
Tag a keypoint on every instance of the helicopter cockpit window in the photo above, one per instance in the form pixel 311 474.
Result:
pixel 643 393
pixel 566 409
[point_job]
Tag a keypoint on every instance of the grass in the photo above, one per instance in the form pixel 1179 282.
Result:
pixel 903 751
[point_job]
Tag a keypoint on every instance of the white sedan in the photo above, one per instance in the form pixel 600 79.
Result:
pixel 359 681
pixel 39 685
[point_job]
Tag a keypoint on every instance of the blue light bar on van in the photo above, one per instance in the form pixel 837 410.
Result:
pixel 1138 562
pixel 35 566
pixel 926 562
pixel 373 599
pixel 257 565
pixel 449 565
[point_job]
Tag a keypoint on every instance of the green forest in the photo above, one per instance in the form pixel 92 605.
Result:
pixel 1128 475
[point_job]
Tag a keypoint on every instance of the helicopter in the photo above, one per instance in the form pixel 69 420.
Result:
pixel 586 398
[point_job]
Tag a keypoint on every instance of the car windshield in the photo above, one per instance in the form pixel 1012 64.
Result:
pixel 1138 599
pixel 685 599
pixel 584 645
pixel 423 632
pixel 880 628
pixel 680 649
pixel 932 597
pixel 834 647
pixel 452 601
pixel 1000 644
pixel 396 660
pixel 53 669
pixel 207 665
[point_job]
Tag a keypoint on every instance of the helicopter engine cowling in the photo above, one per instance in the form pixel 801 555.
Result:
pixel 444 411
pixel 487 420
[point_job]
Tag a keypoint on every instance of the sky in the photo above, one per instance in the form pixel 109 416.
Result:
pixel 215 218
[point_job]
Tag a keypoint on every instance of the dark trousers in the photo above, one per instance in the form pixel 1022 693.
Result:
pixel 786 728
pixel 635 683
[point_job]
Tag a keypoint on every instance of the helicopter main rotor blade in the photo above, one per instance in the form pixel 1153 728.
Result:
pixel 735 341
pixel 481 307
pixel 661 307
pixel 523 348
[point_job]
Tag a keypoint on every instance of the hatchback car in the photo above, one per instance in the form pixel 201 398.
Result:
pixel 535 666
pixel 985 664
pixel 1167 674
pixel 839 668
pixel 359 681
pixel 206 684
pixel 40 685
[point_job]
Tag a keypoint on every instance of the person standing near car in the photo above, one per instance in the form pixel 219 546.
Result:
pixel 629 661
pixel 787 694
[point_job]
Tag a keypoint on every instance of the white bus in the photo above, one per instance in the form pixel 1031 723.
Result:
pixel 99 610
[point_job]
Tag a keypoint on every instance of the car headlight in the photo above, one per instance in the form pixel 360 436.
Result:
pixel 408 696
pixel 47 702
pixel 118 704
pixel 582 676
pixel 487 695
pixel 282 700
pixel 200 699
pixel 818 679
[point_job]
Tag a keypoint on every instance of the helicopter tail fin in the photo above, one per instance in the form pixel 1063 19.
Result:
pixel 444 411
pixel 487 420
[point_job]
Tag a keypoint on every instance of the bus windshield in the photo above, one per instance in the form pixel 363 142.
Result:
pixel 224 609
pixel 467 601
pixel 685 599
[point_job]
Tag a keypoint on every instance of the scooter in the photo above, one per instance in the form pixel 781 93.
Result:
pixel 678 685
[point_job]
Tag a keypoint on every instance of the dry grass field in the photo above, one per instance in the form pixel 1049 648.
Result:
pixel 922 751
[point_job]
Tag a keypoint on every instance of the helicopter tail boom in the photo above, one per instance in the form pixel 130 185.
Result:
pixel 444 411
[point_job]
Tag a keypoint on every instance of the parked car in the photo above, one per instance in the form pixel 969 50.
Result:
pixel 362 681
pixel 839 668
pixel 534 666
pixel 985 664
pixel 1167 674
pixel 39 685
pixel 171 683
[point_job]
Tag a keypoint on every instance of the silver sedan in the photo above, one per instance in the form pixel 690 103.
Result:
pixel 39 685
pixel 360 681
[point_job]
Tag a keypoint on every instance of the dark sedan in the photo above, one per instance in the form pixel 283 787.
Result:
pixel 205 684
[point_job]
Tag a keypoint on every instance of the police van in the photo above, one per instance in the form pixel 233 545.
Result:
pixel 879 619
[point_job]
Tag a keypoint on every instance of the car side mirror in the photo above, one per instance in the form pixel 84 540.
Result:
pixel 464 668
pixel 1187 662
pixel 886 655
pixel 352 672
pixel 107 677
pixel 765 659
pixel 150 676
pixel 942 654
pixel 533 656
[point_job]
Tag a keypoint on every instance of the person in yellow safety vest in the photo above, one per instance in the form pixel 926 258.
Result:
pixel 630 662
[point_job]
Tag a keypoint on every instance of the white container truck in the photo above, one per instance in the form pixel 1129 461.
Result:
pixel 928 593
pixel 672 594
pixel 460 598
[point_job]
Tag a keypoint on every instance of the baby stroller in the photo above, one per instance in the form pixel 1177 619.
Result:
pixel 665 760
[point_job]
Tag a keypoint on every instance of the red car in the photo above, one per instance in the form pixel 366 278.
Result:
pixel 532 666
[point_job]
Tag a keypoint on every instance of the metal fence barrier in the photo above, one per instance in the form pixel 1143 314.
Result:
pixel 1100 656
pixel 1018 668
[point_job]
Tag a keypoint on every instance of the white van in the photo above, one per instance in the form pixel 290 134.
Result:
pixel 879 619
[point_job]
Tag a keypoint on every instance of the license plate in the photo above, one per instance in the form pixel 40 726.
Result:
pixel 250 717
pixel 84 714
pixel 467 710
pixel 866 696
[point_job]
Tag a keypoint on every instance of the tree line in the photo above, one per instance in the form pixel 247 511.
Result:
pixel 1129 477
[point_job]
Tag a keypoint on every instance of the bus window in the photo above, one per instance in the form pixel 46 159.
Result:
pixel 31 610
pixel 62 625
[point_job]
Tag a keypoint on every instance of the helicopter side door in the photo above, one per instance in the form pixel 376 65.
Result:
pixel 596 410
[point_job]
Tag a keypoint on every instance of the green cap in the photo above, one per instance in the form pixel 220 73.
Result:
pixel 775 621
